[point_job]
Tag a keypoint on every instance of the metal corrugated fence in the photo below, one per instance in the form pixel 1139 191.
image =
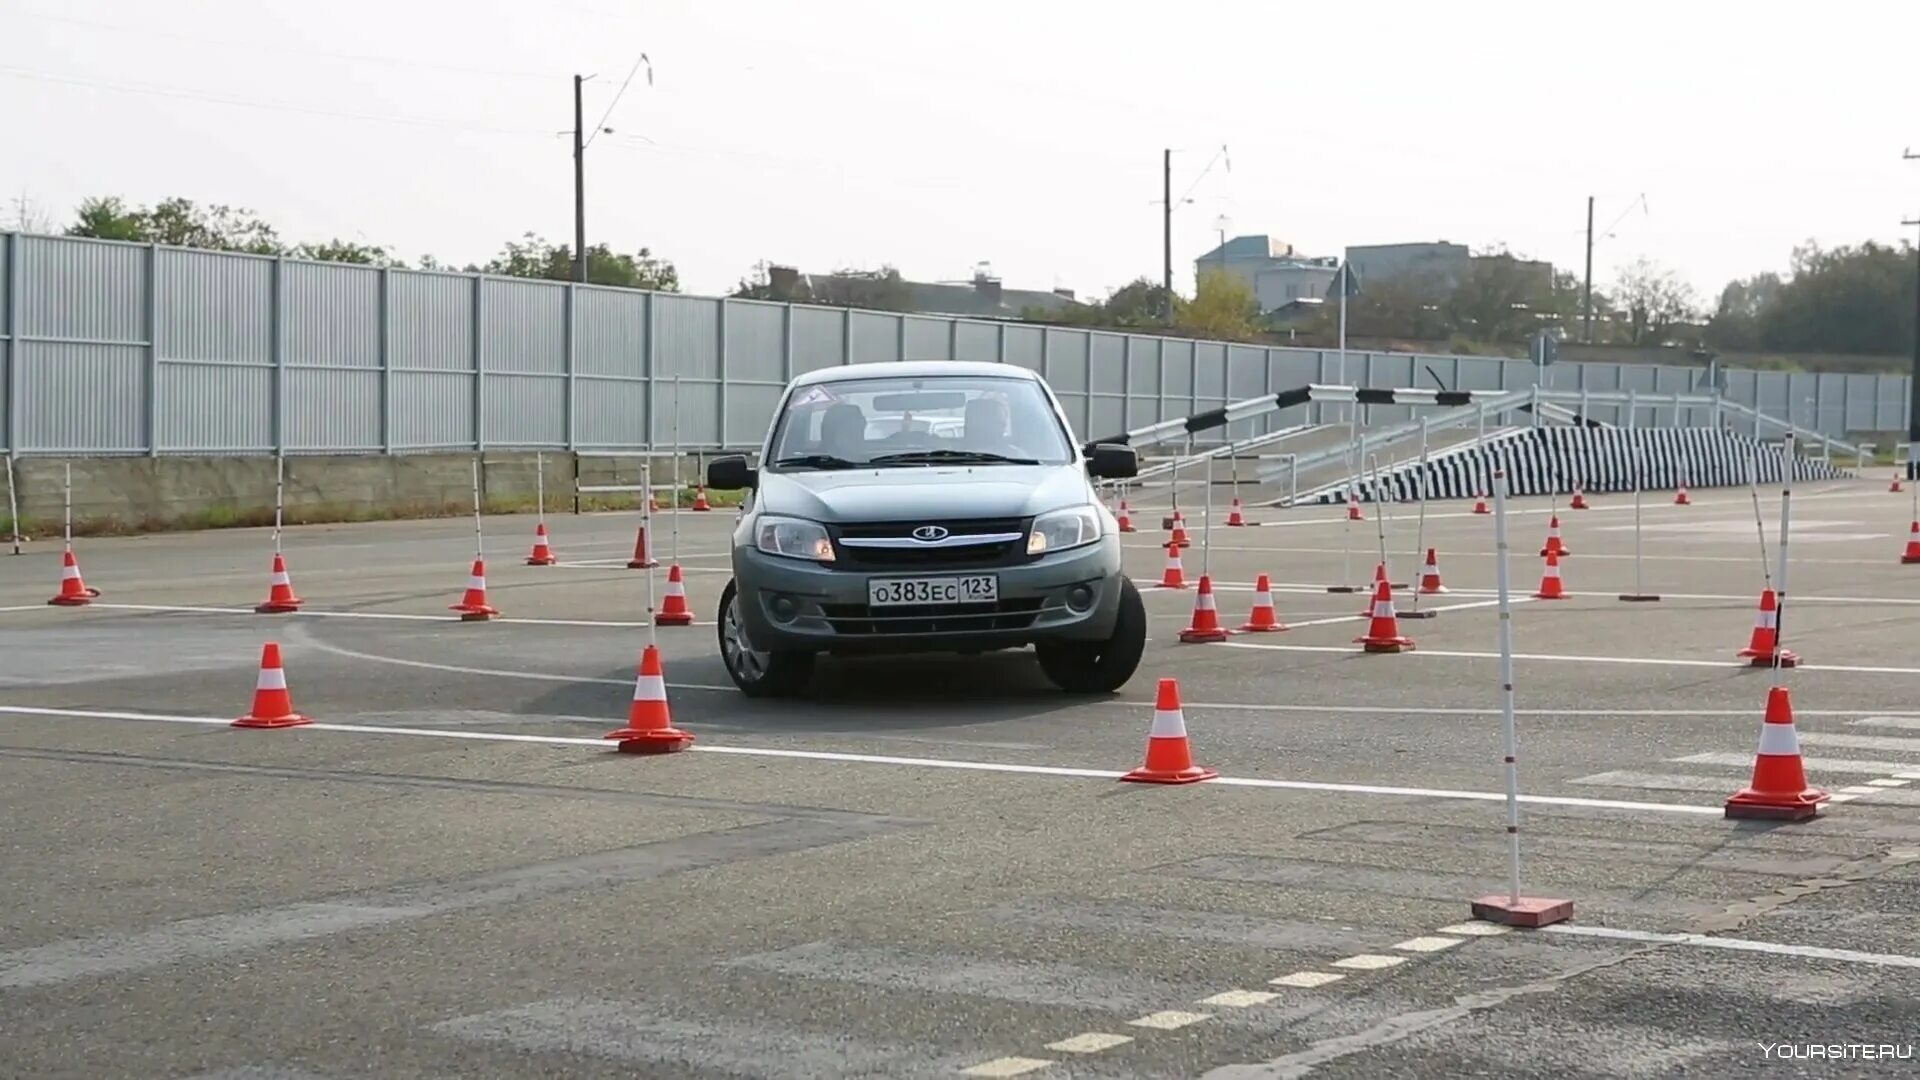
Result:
pixel 113 348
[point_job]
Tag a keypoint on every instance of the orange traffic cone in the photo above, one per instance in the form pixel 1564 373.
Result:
pixel 1383 636
pixel 272 705
pixel 1126 520
pixel 1169 756
pixel 542 554
pixel 1779 790
pixel 1480 505
pixel 1766 636
pixel 73 591
pixel 1680 497
pixel 650 727
pixel 280 598
pixel 641 560
pixel 1550 587
pixel 1353 507
pixel 1430 577
pixel 1174 577
pixel 1264 619
pixel 700 498
pixel 1379 578
pixel 1579 498
pixel 473 607
pixel 1554 546
pixel 1206 617
pixel 1178 537
pixel 1912 554
pixel 673 609
pixel 1895 486
pixel 1234 520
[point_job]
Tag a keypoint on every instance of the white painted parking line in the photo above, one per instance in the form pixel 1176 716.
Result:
pixel 1704 941
pixel 458 669
pixel 1006 1066
pixel 1091 1042
pixel 912 762
pixel 1862 742
pixel 1306 980
pixel 395 616
pixel 1170 1020
pixel 1650 661
pixel 1813 764
pixel 1369 962
pixel 1239 999
pixel 1427 944
pixel 1888 781
pixel 1475 929
pixel 1907 722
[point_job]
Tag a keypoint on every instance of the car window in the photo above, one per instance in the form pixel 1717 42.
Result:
pixel 859 420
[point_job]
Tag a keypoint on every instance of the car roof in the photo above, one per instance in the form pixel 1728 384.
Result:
pixel 909 369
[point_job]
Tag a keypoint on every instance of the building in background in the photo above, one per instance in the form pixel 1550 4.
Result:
pixel 983 296
pixel 1277 274
pixel 1445 265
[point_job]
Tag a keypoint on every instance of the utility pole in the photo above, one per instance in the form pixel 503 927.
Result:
pixel 1166 228
pixel 1913 386
pixel 1587 333
pixel 579 185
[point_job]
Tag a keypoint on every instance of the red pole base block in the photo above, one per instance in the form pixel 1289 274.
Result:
pixel 290 720
pixel 1190 775
pixel 1788 658
pixel 477 614
pixel 1757 805
pixel 1528 911
pixel 1385 645
pixel 667 740
pixel 1640 598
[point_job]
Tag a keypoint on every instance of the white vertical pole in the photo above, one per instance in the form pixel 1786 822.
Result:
pixel 279 498
pixel 13 505
pixel 1780 595
pixel 540 485
pixel 1639 471
pixel 66 498
pixel 1509 740
pixel 477 553
pixel 1420 529
pixel 1206 524
pixel 1380 504
pixel 675 486
pixel 646 526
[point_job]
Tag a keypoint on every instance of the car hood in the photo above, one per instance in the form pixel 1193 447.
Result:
pixel 945 493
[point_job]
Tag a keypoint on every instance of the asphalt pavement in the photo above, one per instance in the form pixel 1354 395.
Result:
pixel 928 867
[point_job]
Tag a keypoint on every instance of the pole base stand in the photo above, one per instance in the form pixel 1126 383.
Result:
pixel 1419 614
pixel 1639 598
pixel 1528 911
pixel 1343 589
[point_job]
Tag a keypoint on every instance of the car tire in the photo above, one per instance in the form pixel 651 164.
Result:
pixel 1100 667
pixel 757 674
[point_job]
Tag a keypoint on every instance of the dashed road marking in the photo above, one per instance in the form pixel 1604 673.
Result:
pixel 1006 1066
pixel 1369 962
pixel 1239 999
pixel 1649 661
pixel 1475 929
pixel 1427 944
pixel 1889 781
pixel 1169 1020
pixel 1306 980
pixel 1807 952
pixel 1091 1042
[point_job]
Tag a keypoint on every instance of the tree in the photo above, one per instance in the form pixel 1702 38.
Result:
pixel 1140 302
pixel 1847 300
pixel 344 251
pixel 107 218
pixel 1223 307
pixel 1500 299
pixel 1654 301
pixel 1735 323
pixel 533 257
pixel 176 222
pixel 29 216
pixel 1408 306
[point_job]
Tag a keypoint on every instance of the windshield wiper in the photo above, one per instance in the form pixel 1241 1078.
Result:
pixel 817 461
pixel 973 456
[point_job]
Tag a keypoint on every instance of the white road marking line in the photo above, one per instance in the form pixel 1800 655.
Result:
pixel 1239 999
pixel 1843 797
pixel 1653 661
pixel 1451 710
pixel 1427 944
pixel 1475 929
pixel 27 607
pixel 1887 781
pixel 1369 962
pixel 396 616
pixel 1306 980
pixel 457 669
pixel 1006 1066
pixel 1809 952
pixel 1881 719
pixel 882 759
pixel 1658 781
pixel 1859 789
pixel 1169 1020
pixel 1813 764
pixel 1862 742
pixel 1091 1042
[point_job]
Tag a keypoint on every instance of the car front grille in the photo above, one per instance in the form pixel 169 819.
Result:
pixel 930 558
pixel 858 620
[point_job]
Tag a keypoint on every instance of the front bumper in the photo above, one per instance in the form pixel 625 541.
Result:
pixel 793 605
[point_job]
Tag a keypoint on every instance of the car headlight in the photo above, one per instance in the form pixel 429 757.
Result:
pixel 794 538
pixel 1064 529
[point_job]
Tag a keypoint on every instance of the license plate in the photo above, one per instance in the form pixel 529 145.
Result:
pixel 901 592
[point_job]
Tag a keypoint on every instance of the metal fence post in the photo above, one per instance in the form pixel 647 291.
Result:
pixel 786 342
pixel 10 318
pixel 647 361
pixel 720 392
pixel 150 316
pixel 846 336
pixel 478 328
pixel 953 339
pixel 383 319
pixel 276 330
pixel 1000 345
pixel 899 337
pixel 571 334
pixel 1126 382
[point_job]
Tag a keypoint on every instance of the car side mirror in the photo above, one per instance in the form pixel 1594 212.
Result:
pixel 731 473
pixel 1111 461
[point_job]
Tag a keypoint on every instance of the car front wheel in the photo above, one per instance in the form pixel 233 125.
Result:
pixel 1100 667
pixel 756 673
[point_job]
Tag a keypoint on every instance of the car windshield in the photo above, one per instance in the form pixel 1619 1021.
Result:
pixel 900 422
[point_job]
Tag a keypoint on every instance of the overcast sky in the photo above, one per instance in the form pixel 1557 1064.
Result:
pixel 1026 134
